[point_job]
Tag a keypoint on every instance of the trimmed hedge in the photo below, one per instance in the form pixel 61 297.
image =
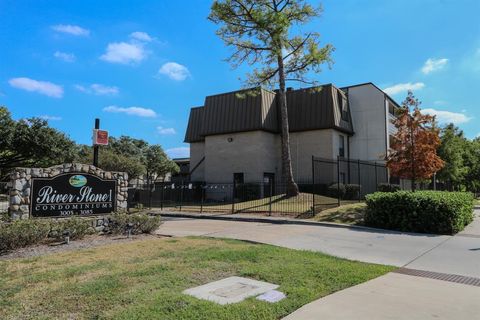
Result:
pixel 437 212
pixel 22 233
pixel 78 228
pixel 387 187
pixel 336 190
pixel 142 223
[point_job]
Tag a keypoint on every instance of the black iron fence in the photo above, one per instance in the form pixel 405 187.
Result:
pixel 254 197
pixel 4 197
pixel 346 179
pixel 334 182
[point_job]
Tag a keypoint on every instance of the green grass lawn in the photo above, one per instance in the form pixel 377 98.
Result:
pixel 351 213
pixel 145 279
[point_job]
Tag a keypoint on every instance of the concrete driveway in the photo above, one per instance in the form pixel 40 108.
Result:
pixel 415 295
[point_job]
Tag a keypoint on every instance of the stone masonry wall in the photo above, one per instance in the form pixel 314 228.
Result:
pixel 20 184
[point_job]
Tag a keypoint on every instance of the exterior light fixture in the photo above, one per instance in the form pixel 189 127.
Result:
pixel 66 236
pixel 129 228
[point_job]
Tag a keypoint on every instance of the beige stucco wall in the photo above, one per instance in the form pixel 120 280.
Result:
pixel 197 152
pixel 252 153
pixel 257 152
pixel 368 108
pixel 319 143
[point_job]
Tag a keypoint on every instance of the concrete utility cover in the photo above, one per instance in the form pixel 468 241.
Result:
pixel 230 290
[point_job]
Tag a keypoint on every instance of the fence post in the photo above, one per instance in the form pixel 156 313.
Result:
pixel 359 183
pixel 149 194
pixel 202 195
pixel 161 195
pixel 376 177
pixel 233 197
pixel 338 180
pixel 181 195
pixel 313 184
pixel 270 202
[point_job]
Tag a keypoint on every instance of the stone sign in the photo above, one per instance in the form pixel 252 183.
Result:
pixel 66 190
pixel 71 194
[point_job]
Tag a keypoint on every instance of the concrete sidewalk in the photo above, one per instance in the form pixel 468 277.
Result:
pixel 454 255
pixel 396 296
pixel 393 296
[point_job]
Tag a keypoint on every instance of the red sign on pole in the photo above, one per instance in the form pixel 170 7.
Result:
pixel 100 137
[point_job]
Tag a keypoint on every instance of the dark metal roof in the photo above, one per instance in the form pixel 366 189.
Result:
pixel 317 108
pixel 308 109
pixel 194 125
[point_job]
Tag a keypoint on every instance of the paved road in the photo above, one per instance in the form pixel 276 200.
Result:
pixel 456 255
pixel 393 296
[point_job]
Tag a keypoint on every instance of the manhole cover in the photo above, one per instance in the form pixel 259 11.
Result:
pixel 230 290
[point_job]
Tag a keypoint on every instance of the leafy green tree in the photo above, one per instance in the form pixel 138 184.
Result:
pixel 472 163
pixel 134 156
pixel 452 150
pixel 32 142
pixel 157 164
pixel 110 160
pixel 266 35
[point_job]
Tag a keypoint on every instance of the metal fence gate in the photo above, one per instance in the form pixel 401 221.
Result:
pixel 345 180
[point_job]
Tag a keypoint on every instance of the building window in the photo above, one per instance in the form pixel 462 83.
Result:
pixel 238 178
pixel 341 146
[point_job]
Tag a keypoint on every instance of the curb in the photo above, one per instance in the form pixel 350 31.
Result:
pixel 286 221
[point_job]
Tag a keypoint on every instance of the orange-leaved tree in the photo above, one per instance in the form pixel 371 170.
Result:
pixel 413 151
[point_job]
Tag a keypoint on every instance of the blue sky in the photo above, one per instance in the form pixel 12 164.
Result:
pixel 139 66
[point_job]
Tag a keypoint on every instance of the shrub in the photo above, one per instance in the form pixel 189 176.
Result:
pixel 387 187
pixel 22 233
pixel 77 227
pixel 352 191
pixel 336 190
pixel 422 211
pixel 142 223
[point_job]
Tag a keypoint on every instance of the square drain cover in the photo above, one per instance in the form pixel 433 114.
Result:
pixel 230 290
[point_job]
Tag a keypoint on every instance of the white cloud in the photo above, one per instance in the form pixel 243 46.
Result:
pixel 166 131
pixel 67 57
pixel 141 36
pixel 71 29
pixel 174 71
pixel 98 89
pixel 404 87
pixel 434 65
pixel 132 111
pixel 444 117
pixel 124 53
pixel 179 152
pixel 51 118
pixel 42 87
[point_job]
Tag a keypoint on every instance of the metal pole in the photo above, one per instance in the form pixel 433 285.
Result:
pixel 161 195
pixel 95 147
pixel 338 180
pixel 313 184
pixel 181 196
pixel 201 200
pixel 270 202
pixel 359 183
pixel 376 177
pixel 233 196
pixel 149 186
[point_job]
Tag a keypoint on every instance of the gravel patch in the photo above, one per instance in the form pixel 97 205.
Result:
pixel 88 242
